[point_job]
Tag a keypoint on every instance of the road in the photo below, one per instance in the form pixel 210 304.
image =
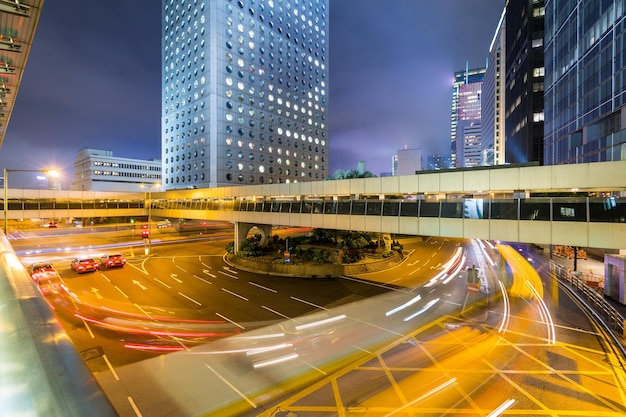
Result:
pixel 183 295
pixel 410 340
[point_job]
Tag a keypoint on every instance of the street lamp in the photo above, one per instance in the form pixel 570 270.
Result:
pixel 51 172
pixel 148 201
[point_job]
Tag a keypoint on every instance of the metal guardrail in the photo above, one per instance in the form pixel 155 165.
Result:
pixel 593 294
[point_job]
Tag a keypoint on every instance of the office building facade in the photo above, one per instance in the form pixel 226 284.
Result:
pixel 492 100
pixel 99 170
pixel 439 161
pixel 461 102
pixel 244 92
pixel 409 161
pixel 585 101
pixel 524 20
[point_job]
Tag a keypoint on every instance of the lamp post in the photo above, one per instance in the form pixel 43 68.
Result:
pixel 148 201
pixel 50 172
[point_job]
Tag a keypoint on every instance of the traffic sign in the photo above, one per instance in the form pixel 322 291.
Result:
pixel 473 288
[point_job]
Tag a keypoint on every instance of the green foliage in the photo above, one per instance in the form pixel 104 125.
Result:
pixel 353 246
pixel 251 247
pixel 230 247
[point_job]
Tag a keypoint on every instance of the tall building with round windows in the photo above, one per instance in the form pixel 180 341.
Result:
pixel 245 92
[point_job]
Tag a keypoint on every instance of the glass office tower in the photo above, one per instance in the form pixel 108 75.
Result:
pixel 492 110
pixel 585 98
pixel 244 92
pixel 461 79
pixel 524 97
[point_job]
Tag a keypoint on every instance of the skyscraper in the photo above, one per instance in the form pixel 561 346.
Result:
pixel 585 100
pixel 465 97
pixel 492 101
pixel 524 81
pixel 244 92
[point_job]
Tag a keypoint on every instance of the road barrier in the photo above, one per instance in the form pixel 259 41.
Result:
pixel 589 286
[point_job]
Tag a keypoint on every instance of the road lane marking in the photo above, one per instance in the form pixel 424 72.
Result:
pixel 143 311
pixel 204 271
pixel 117 378
pixel 202 279
pixel 276 312
pixel 97 293
pixel 122 292
pixel 241 394
pixel 229 270
pixel 263 287
pixel 173 276
pixel 134 406
pixel 162 283
pixel 229 320
pixel 142 269
pixel 137 283
pixel 306 302
pixel 105 277
pixel 181 268
pixel 189 298
pixel 206 266
pixel 235 294
pixel 375 284
pixel 230 276
pixel 88 329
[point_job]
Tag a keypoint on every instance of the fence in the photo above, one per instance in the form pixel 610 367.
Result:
pixel 591 286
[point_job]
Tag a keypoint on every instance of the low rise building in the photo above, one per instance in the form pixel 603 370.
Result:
pixel 99 170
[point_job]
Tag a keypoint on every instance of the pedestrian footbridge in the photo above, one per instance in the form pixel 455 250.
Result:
pixel 577 205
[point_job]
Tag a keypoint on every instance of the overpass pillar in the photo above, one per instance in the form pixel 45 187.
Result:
pixel 242 230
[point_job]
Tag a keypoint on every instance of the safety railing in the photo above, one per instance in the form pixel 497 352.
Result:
pixel 592 289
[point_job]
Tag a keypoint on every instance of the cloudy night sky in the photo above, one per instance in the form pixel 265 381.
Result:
pixel 93 79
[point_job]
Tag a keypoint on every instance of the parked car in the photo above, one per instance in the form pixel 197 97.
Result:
pixel 112 260
pixel 84 264
pixel 41 271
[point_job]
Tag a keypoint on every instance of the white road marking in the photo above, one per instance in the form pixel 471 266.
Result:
pixel 204 271
pixel 117 378
pixel 241 394
pixel 134 406
pixel 263 287
pixel 203 280
pixel 97 293
pixel 173 276
pixel 235 294
pixel 162 283
pixel 229 320
pixel 143 311
pixel 230 276
pixel 137 283
pixel 276 312
pixel 88 329
pixel 122 292
pixel 306 302
pixel 189 298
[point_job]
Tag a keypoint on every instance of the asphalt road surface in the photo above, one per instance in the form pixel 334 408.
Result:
pixel 182 333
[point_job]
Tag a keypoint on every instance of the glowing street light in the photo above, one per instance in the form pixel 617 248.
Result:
pixel 148 201
pixel 51 172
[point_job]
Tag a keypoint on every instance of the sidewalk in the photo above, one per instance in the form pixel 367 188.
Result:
pixel 584 266
pixel 591 269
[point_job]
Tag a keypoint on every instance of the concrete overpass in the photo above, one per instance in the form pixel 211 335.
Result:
pixel 578 205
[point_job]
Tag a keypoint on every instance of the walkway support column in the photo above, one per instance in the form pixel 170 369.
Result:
pixel 242 230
